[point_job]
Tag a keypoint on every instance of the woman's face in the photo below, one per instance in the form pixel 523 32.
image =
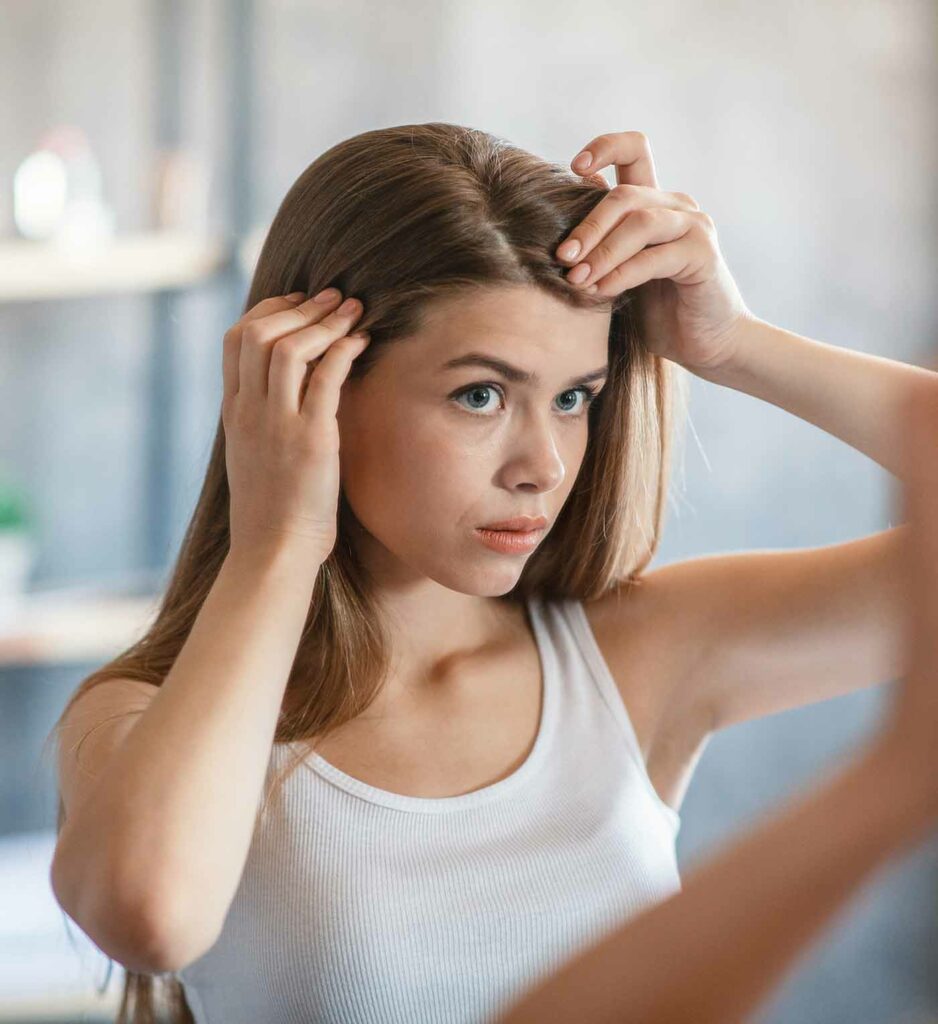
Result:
pixel 428 453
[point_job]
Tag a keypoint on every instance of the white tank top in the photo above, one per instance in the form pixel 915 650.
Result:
pixel 361 906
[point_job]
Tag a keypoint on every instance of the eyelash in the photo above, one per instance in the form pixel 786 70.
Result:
pixel 589 395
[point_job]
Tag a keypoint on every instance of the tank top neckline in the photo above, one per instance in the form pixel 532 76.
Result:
pixel 477 797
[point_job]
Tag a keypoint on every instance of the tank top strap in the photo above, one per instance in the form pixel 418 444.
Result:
pixel 583 671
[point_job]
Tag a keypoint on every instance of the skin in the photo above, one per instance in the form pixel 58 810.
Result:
pixel 421 469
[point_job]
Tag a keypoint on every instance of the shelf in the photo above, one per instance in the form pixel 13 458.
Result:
pixel 75 624
pixel 142 262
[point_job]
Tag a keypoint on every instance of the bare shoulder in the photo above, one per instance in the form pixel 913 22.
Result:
pixel 652 651
pixel 93 726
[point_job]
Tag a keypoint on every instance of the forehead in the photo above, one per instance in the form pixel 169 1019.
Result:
pixel 537 328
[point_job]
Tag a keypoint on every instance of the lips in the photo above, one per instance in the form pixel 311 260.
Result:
pixel 519 523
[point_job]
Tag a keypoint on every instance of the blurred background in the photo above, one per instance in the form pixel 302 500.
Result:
pixel 144 149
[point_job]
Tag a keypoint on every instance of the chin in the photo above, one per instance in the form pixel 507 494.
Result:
pixel 493 581
pixel 479 579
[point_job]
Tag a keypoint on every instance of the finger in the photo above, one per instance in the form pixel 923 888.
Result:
pixel 629 152
pixel 271 305
pixel 321 400
pixel 639 229
pixel 291 355
pixel 260 336
pixel 612 210
pixel 231 345
pixel 678 260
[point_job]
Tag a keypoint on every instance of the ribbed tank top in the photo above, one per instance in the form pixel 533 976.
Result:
pixel 362 906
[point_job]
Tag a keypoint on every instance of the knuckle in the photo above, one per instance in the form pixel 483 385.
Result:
pixel 622 192
pixel 641 138
pixel 253 333
pixel 601 253
pixel 317 334
pixel 688 200
pixel 587 230
pixel 341 315
pixel 288 347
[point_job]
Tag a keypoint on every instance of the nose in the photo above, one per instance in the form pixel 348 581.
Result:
pixel 534 459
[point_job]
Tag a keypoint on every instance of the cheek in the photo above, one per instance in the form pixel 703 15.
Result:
pixel 413 471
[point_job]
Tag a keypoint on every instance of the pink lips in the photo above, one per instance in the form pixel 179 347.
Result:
pixel 510 542
pixel 517 536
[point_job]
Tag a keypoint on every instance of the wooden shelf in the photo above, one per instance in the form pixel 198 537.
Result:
pixel 143 262
pixel 75 624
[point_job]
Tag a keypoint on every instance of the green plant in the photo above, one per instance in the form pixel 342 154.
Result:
pixel 15 510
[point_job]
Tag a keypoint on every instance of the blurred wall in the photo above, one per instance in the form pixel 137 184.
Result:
pixel 806 130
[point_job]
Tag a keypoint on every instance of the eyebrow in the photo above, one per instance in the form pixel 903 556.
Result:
pixel 514 373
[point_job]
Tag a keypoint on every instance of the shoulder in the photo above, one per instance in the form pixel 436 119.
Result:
pixel 88 704
pixel 95 722
pixel 652 642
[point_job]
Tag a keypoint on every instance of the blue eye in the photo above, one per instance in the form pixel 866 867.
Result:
pixel 589 396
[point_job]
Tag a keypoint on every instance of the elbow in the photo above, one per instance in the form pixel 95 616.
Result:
pixel 147 934
pixel 173 940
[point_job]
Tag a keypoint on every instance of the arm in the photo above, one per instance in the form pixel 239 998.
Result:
pixel 712 952
pixel 156 847
pixel 767 631
pixel 853 396
pixel 772 630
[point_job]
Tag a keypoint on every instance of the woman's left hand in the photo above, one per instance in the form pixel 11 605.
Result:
pixel 662 244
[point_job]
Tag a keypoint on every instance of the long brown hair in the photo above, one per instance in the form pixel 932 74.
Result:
pixel 400 216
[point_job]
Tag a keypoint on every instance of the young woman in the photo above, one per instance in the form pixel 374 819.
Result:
pixel 376 760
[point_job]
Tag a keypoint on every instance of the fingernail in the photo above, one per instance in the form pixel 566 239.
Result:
pixel 348 306
pixel 327 295
pixel 582 161
pixel 569 250
pixel 295 296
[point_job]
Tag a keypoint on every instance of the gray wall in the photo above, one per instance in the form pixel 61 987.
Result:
pixel 806 131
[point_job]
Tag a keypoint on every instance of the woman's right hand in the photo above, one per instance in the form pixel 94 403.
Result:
pixel 281 437
pixel 911 731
